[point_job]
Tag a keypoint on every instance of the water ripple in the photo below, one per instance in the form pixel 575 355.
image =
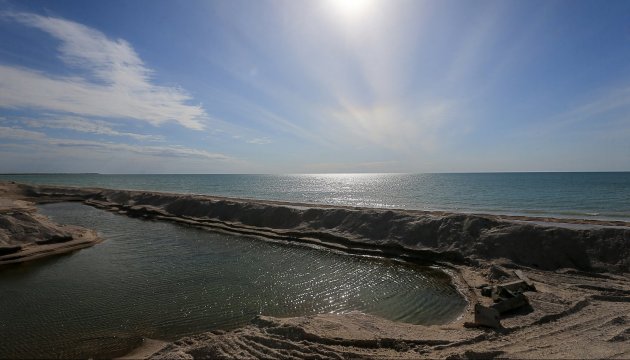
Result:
pixel 160 280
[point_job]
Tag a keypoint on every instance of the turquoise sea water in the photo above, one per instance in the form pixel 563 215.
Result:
pixel 596 195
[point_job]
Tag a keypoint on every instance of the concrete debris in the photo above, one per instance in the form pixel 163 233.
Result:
pixel 524 278
pixel 506 296
pixel 485 317
pixel 509 304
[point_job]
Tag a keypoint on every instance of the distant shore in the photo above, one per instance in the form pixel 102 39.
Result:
pixel 579 268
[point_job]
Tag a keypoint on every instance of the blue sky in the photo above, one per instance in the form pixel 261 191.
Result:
pixel 314 86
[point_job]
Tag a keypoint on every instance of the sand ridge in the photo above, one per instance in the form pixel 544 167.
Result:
pixel 411 235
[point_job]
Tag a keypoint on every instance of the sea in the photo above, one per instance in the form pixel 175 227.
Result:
pixel 582 195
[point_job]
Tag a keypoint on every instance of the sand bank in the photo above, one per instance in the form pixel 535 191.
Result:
pixel 580 308
pixel 26 235
pixel 412 235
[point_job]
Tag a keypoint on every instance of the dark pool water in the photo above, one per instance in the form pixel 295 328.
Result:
pixel 161 280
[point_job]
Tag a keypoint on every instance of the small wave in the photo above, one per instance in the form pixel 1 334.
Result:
pixel 555 213
pixel 569 214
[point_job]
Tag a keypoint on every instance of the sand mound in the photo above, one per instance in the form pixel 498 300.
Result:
pixel 27 235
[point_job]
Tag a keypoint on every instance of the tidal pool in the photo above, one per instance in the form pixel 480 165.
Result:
pixel 161 280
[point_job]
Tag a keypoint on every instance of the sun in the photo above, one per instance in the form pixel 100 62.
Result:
pixel 352 10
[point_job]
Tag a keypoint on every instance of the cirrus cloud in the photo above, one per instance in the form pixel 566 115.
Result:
pixel 115 82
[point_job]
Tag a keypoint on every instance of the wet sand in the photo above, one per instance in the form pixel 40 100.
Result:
pixel 579 309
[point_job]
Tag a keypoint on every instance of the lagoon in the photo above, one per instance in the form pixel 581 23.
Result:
pixel 161 280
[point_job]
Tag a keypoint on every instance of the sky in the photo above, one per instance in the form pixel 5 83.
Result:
pixel 320 86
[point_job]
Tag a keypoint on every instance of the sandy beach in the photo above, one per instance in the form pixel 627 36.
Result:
pixel 577 305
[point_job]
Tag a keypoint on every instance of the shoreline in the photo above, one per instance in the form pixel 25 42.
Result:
pixel 580 276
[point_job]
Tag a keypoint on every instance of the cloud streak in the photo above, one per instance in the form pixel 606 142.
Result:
pixel 173 151
pixel 259 141
pixel 605 113
pixel 117 84
pixel 85 126
pixel 20 134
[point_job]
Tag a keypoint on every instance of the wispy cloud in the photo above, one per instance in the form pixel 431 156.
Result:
pixel 73 156
pixel 157 151
pixel 259 141
pixel 607 103
pixel 116 83
pixel 35 137
pixel 20 134
pixel 85 126
pixel 605 112
pixel 263 116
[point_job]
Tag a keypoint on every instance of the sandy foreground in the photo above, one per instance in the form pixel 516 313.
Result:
pixel 580 307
